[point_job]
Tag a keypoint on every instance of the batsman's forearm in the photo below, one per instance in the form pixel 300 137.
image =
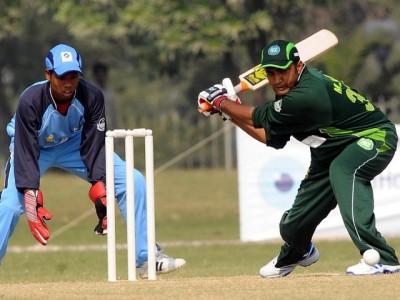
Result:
pixel 241 116
pixel 239 112
pixel 256 133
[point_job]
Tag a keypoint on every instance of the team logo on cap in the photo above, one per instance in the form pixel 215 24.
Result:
pixel 66 56
pixel 274 50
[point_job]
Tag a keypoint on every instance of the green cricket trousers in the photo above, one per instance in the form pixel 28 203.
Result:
pixel 346 182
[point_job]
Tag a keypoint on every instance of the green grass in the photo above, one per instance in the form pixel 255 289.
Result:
pixel 191 207
pixel 185 211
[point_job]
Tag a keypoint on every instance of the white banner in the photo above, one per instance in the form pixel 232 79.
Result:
pixel 268 183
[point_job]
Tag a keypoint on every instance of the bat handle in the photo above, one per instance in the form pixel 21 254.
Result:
pixel 227 83
pixel 203 108
pixel 242 86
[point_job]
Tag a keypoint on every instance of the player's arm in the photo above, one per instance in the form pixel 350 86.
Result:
pixel 98 195
pixel 26 148
pixel 24 127
pixel 241 116
pixel 241 113
pixel 256 133
pixel 93 150
pixel 92 146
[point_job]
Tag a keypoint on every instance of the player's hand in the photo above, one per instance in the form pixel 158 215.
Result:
pixel 233 98
pixel 204 107
pixel 210 99
pixel 97 194
pixel 37 215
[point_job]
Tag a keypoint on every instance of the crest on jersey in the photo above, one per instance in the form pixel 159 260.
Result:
pixel 101 125
pixel 278 105
pixel 366 144
pixel 50 138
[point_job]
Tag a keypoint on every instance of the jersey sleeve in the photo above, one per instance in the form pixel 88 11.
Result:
pixel 304 109
pixel 26 149
pixel 274 140
pixel 93 133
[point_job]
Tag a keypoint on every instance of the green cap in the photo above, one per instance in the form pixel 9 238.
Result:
pixel 279 54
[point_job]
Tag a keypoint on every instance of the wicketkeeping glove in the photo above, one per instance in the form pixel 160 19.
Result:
pixel 37 215
pixel 97 194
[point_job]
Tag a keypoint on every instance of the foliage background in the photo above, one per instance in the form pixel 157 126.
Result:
pixel 161 53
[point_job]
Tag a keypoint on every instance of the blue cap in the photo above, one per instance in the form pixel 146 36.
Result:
pixel 62 59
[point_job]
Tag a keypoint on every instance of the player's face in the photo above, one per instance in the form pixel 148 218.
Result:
pixel 283 80
pixel 63 87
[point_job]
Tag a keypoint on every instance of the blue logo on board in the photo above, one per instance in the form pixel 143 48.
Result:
pixel 279 180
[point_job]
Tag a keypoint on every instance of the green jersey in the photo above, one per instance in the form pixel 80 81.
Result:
pixel 325 114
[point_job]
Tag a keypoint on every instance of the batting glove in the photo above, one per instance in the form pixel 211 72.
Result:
pixel 210 100
pixel 37 215
pixel 97 194
pixel 211 96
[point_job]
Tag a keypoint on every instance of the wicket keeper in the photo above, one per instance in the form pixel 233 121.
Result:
pixel 60 122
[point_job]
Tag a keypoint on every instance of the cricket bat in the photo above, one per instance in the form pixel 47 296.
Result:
pixel 309 49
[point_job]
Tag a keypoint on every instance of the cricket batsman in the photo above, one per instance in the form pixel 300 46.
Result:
pixel 351 141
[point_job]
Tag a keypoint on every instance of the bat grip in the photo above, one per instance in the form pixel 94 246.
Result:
pixel 238 88
pixel 227 83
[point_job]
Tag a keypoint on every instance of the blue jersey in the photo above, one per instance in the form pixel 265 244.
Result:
pixel 37 125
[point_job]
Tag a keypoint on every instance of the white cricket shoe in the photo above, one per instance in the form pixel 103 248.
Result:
pixel 164 264
pixel 391 269
pixel 362 268
pixel 270 271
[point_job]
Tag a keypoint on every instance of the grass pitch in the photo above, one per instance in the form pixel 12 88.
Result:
pixel 198 224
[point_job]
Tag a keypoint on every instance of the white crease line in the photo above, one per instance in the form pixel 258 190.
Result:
pixel 103 247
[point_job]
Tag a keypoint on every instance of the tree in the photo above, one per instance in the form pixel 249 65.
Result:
pixel 24 39
pixel 161 53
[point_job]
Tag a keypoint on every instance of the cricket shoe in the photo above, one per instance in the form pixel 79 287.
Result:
pixel 164 264
pixel 270 271
pixel 362 268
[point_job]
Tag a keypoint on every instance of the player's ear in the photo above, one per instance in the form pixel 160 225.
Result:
pixel 47 74
pixel 299 66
